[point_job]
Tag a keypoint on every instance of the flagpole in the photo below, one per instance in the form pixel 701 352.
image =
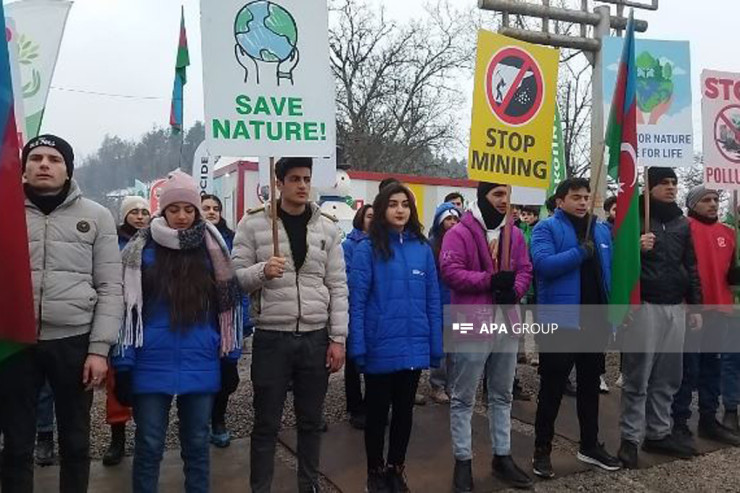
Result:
pixel 646 197
pixel 593 194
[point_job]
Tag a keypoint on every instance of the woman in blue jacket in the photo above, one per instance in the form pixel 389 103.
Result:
pixel 220 436
pixel 181 317
pixel 395 328
pixel 352 383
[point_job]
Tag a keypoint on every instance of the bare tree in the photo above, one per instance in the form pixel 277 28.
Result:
pixel 395 99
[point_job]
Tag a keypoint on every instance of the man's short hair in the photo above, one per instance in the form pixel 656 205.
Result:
pixel 609 203
pixel 288 163
pixel 386 182
pixel 571 184
pixel 452 196
pixel 550 204
pixel 532 209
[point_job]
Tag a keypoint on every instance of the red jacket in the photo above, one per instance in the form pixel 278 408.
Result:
pixel 715 248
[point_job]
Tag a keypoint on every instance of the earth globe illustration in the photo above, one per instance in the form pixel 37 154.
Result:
pixel 266 33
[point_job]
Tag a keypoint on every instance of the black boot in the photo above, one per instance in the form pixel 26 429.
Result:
pixel 377 480
pixel 45 448
pixel 712 429
pixel 397 479
pixel 462 481
pixel 729 420
pixel 669 445
pixel 541 464
pixel 506 470
pixel 628 454
pixel 114 455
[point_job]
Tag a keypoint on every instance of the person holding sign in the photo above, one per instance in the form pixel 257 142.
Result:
pixel 473 264
pixel 299 295
pixel 653 335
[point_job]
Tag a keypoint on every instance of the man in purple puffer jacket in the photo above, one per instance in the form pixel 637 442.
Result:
pixel 470 262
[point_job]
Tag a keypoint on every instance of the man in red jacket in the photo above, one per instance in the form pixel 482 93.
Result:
pixel 715 245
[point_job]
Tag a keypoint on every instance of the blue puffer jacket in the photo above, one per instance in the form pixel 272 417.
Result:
pixel 172 362
pixel 557 258
pixel 348 246
pixel 395 313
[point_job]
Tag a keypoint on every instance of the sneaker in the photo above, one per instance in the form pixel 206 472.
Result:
pixel 114 455
pixel 420 400
pixel 45 449
pixel 603 387
pixel 506 471
pixel 620 381
pixel 462 480
pixel 440 396
pixel 669 445
pixel 519 394
pixel 541 464
pixel 712 429
pixel 682 434
pixel 570 389
pixel 729 420
pixel 597 456
pixel 377 481
pixel 357 420
pixel 397 479
pixel 220 436
pixel 628 454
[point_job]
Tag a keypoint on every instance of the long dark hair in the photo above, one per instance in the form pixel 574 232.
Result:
pixel 183 279
pixel 379 227
pixel 359 220
pixel 221 225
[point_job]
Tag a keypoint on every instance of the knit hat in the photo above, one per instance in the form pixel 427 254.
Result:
pixel 656 175
pixel 179 187
pixel 133 202
pixel 54 142
pixel 696 194
pixel 484 188
pixel 491 216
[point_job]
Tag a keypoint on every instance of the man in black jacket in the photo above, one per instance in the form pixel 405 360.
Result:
pixel 653 337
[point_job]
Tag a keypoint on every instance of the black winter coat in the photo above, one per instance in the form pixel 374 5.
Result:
pixel 669 273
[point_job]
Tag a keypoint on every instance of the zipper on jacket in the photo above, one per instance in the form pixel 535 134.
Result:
pixel 43 277
pixel 298 290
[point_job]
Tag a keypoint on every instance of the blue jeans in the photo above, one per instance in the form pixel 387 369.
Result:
pixel 45 410
pixel 151 413
pixel 702 369
pixel 466 372
pixel 731 369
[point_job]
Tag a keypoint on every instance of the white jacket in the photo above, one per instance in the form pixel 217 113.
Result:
pixel 311 299
pixel 76 271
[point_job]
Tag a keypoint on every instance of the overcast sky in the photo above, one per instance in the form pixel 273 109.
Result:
pixel 127 48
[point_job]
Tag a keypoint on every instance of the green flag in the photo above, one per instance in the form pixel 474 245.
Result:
pixel 557 173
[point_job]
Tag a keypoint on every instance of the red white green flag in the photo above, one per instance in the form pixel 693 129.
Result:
pixel 621 139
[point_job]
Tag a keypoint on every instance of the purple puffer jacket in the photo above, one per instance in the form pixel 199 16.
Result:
pixel 467 266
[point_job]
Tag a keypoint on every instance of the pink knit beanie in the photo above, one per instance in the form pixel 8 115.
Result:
pixel 179 187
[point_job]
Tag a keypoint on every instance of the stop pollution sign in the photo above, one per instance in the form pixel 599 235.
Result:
pixel 721 129
pixel 514 86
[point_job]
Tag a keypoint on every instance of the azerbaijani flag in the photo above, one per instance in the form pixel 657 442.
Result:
pixel 181 77
pixel 621 139
pixel 18 322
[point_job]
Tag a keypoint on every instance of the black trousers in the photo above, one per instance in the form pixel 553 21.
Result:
pixel 554 369
pixel 353 388
pixel 278 358
pixel 21 377
pixel 383 392
pixel 229 384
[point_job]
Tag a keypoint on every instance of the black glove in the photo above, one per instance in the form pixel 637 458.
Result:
pixel 589 247
pixel 502 281
pixel 733 277
pixel 124 388
pixel 505 297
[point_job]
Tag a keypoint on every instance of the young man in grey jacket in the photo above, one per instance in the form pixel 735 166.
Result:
pixel 299 308
pixel 76 275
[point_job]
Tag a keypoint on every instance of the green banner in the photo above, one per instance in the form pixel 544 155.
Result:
pixel 557 170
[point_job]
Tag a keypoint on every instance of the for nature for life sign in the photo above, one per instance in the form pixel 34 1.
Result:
pixel 268 86
pixel 513 111
pixel 721 129
pixel 664 119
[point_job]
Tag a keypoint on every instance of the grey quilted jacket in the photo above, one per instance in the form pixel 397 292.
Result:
pixel 311 299
pixel 76 271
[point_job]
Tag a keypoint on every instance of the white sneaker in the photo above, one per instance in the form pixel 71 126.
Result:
pixel 620 381
pixel 603 387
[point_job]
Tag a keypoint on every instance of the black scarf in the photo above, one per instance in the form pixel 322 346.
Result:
pixel 663 212
pixel 491 216
pixel 580 224
pixel 47 203
pixel 702 219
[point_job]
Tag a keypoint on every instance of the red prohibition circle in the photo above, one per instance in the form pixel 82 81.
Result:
pixel 528 63
pixel 717 141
